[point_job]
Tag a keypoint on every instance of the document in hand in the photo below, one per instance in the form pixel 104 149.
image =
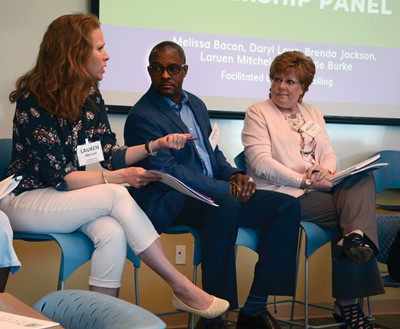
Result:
pixel 8 184
pixel 363 166
pixel 182 187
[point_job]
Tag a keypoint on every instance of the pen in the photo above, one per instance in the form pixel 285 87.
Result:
pixel 193 139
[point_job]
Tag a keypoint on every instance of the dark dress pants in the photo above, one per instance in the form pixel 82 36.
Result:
pixel 276 215
pixel 349 206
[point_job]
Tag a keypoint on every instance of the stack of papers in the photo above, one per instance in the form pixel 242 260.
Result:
pixel 366 165
pixel 182 187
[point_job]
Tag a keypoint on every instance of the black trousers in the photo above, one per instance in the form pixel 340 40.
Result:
pixel 276 215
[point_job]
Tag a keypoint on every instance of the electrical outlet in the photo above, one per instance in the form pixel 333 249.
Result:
pixel 180 255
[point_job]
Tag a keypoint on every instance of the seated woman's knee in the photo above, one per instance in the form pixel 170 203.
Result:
pixel 107 231
pixel 117 189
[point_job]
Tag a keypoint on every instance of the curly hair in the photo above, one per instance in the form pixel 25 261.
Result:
pixel 59 79
pixel 294 62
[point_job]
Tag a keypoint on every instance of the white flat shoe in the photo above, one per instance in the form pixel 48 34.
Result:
pixel 217 307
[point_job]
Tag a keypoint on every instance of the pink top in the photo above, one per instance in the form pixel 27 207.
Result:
pixel 272 147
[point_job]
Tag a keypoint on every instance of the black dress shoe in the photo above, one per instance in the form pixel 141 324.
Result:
pixel 263 321
pixel 221 324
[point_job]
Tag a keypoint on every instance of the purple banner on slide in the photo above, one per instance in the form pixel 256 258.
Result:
pixel 232 67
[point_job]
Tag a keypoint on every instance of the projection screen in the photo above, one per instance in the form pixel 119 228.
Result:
pixel 229 46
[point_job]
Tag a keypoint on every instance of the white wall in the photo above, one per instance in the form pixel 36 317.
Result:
pixel 22 24
pixel 352 142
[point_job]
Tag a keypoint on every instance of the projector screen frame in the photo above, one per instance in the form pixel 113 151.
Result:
pixel 232 115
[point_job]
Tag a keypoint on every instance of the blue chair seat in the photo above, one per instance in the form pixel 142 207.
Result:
pixel 388 178
pixel 76 250
pixel 248 237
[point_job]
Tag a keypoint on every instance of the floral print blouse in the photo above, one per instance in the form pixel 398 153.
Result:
pixel 45 147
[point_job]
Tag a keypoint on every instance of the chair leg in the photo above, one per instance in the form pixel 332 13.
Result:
pixel 369 306
pixel 298 259
pixel 306 295
pixel 136 284
pixel 191 319
pixel 60 285
pixel 361 303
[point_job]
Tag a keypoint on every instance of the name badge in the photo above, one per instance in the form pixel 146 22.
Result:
pixel 89 153
pixel 214 136
pixel 311 128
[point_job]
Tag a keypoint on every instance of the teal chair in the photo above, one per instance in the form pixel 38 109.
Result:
pixel 314 237
pixel 388 178
pixel 77 309
pixel 388 225
pixel 76 248
pixel 248 237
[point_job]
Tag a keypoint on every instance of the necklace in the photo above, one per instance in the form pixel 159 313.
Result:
pixel 295 120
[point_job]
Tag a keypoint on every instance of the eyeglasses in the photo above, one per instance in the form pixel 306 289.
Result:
pixel 172 69
pixel 289 82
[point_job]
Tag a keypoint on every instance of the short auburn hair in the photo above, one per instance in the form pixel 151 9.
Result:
pixel 294 62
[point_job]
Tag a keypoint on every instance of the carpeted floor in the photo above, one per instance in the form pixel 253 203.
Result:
pixel 382 321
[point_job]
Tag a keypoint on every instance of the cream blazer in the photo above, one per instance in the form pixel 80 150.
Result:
pixel 272 150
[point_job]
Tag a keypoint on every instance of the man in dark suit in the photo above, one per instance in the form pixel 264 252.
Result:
pixel 166 109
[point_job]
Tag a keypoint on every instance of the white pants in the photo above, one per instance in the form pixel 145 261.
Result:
pixel 106 213
pixel 8 257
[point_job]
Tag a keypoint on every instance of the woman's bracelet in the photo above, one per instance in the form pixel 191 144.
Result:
pixel 234 190
pixel 149 150
pixel 103 174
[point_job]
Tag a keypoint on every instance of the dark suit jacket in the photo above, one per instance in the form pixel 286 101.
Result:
pixel 152 117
